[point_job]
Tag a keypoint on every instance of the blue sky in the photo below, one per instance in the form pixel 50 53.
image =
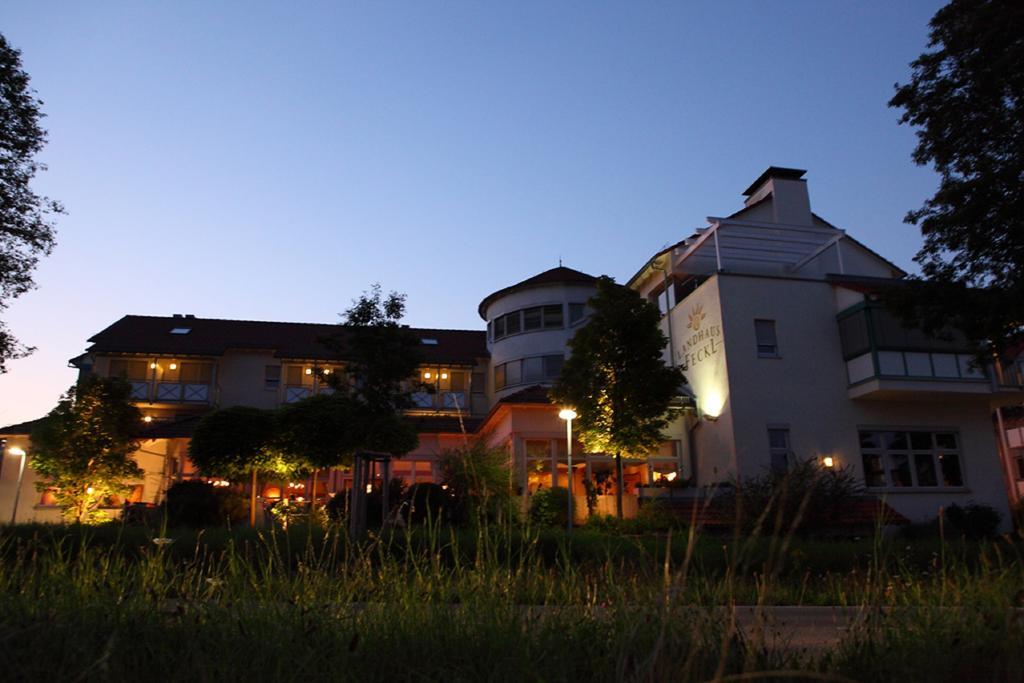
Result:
pixel 272 160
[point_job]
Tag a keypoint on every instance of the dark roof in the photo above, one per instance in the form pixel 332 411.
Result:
pixel 534 394
pixel 556 276
pixel 774 172
pixel 20 429
pixel 212 337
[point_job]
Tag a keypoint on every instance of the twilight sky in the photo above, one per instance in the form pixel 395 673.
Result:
pixel 271 160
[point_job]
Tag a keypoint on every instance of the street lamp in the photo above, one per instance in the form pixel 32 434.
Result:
pixel 568 414
pixel 18 453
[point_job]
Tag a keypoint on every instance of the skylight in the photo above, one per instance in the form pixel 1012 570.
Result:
pixel 181 330
pixel 429 342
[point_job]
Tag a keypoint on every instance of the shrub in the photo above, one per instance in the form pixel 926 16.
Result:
pixel 974 520
pixel 426 502
pixel 337 507
pixel 197 504
pixel 808 496
pixel 550 507
pixel 479 480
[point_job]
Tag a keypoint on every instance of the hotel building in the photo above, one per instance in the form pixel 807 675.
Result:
pixel 772 313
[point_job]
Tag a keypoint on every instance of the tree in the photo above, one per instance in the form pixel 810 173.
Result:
pixel 237 443
pixel 966 99
pixel 616 378
pixel 84 447
pixel 26 229
pixel 382 358
pixel 319 432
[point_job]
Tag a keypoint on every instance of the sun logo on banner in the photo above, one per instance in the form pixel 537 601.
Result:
pixel 696 316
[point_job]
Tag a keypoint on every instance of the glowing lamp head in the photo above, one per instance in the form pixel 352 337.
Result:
pixel 309 371
pixel 567 414
pixel 444 375
pixel 152 366
pixel 828 461
pixel 147 418
pixel 173 366
pixel 671 476
pixel 16 452
pixel 426 375
pixel 369 488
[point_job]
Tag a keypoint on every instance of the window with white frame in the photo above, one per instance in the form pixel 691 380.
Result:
pixel 911 458
pixel 767 344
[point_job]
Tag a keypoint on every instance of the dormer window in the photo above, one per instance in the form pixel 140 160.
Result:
pixel 180 330
pixel 428 342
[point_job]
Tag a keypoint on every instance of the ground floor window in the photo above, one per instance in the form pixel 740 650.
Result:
pixel 911 459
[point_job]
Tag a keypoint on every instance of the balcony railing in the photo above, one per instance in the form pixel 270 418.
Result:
pixel 442 400
pixel 170 392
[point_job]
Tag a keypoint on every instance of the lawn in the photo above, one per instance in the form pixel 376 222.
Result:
pixel 492 604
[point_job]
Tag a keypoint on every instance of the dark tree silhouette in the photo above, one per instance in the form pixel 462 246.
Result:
pixel 26 227
pixel 966 99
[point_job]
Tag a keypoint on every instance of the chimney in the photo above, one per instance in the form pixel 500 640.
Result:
pixel 788 190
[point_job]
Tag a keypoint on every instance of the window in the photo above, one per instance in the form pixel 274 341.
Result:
pixel 512 323
pixel 272 376
pixel 576 312
pixel 129 369
pixel 778 449
pixel 196 373
pixel 767 346
pixel 533 318
pixel 553 316
pixel 527 370
pixel 909 459
pixel 529 319
pixel 181 330
pixel 428 342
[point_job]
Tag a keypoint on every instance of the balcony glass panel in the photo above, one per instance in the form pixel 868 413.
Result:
pixel 455 400
pixel 969 368
pixel 293 394
pixel 891 363
pixel 918 364
pixel 168 391
pixel 140 390
pixel 860 368
pixel 197 392
pixel 945 365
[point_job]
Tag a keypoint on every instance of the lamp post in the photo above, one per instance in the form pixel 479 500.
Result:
pixel 17 452
pixel 568 414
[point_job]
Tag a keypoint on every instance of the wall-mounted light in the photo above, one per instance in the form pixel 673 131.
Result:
pixel 444 375
pixel 309 371
pixel 173 366
pixel 152 366
pixel 426 375
pixel 147 418
pixel 671 476
pixel 327 371
pixel 828 461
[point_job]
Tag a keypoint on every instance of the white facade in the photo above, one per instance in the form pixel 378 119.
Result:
pixel 754 321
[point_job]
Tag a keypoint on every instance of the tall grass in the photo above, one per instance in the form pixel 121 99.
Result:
pixel 492 603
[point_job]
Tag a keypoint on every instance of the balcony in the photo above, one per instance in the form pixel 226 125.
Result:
pixel 885 360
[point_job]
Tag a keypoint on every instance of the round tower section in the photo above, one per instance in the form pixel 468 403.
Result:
pixel 529 325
